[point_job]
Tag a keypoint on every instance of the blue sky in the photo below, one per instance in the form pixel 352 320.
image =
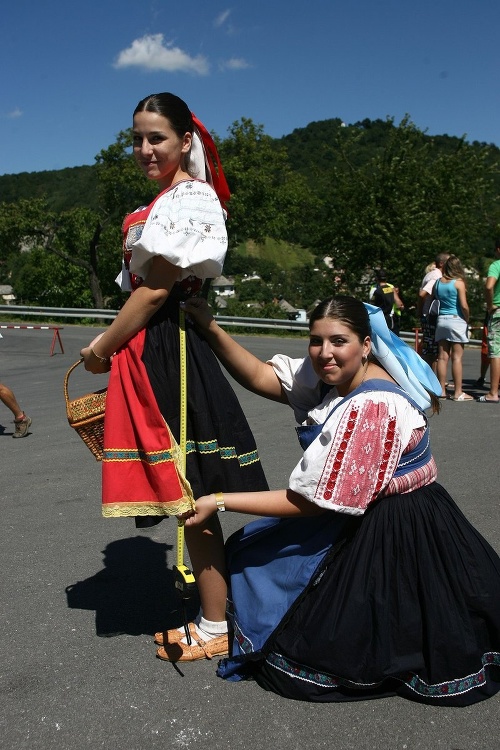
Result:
pixel 73 72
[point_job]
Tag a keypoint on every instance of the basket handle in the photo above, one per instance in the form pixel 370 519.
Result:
pixel 66 378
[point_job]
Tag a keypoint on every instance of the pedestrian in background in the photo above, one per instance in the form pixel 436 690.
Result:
pixel 386 296
pixel 492 294
pixel 428 322
pixel 485 360
pixel 22 422
pixel 451 328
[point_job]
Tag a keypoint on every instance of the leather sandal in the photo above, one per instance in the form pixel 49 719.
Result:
pixel 199 649
pixel 175 635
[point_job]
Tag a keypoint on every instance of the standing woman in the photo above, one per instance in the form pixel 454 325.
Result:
pixel 170 248
pixel 451 329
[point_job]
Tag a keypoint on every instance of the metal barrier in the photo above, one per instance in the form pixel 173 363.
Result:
pixel 58 312
pixel 411 337
pixel 56 337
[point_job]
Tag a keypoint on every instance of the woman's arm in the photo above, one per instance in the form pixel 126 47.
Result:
pixel 274 503
pixel 253 374
pixel 134 315
pixel 462 298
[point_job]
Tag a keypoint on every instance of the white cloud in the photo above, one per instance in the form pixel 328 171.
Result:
pixel 15 113
pixel 222 18
pixel 235 63
pixel 151 53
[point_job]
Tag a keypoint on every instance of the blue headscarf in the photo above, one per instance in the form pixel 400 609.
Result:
pixel 402 363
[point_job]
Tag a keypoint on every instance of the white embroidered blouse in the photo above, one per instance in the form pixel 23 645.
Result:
pixel 186 226
pixel 354 459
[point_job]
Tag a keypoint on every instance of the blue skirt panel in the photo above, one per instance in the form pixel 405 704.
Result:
pixel 271 562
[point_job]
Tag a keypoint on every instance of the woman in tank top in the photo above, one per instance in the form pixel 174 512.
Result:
pixel 451 329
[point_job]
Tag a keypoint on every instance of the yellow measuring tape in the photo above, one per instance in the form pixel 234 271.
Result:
pixel 183 426
pixel 184 579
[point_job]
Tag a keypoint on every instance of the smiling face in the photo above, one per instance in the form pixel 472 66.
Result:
pixel 158 150
pixel 337 354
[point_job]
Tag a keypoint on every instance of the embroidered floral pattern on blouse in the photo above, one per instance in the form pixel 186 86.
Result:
pixel 337 462
pixel 185 225
pixel 363 457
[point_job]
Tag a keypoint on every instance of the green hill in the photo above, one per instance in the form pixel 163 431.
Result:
pixel 73 187
pixel 313 151
pixel 282 254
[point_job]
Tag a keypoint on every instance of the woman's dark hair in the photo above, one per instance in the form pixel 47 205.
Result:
pixel 348 310
pixel 170 106
pixel 354 315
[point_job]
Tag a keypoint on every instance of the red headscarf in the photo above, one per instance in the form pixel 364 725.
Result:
pixel 213 162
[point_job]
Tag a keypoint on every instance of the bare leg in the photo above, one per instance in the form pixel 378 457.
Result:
pixel 206 551
pixel 8 398
pixel 494 378
pixel 457 351
pixel 442 364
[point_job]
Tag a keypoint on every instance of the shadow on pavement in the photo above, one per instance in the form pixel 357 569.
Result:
pixel 134 594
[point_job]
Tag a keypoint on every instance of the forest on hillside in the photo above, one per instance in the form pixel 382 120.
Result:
pixel 312 213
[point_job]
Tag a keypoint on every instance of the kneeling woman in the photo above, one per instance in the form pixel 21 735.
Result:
pixel 367 581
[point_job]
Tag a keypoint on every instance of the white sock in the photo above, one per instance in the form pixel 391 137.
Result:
pixel 210 629
pixel 207 629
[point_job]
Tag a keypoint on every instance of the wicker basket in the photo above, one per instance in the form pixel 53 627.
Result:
pixel 86 415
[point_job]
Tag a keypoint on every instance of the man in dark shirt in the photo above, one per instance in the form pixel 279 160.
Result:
pixel 386 296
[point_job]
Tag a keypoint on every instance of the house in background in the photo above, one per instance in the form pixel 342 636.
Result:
pixel 223 287
pixel 7 295
pixel 293 313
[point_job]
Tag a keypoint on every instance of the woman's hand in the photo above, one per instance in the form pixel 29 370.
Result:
pixel 198 310
pixel 93 363
pixel 205 507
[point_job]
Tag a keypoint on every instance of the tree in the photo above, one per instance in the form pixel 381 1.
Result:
pixel 45 279
pixel 254 291
pixel 303 286
pixel 268 198
pixel 402 206
pixel 367 195
pixel 73 236
pixel 121 186
pixel 87 241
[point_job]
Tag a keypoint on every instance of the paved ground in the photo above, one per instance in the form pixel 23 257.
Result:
pixel 82 595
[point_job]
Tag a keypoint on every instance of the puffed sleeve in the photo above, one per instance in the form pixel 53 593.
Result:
pixel 300 383
pixel 187 227
pixel 354 458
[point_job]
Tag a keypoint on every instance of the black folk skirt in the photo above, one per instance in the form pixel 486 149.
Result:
pixel 221 451
pixel 406 603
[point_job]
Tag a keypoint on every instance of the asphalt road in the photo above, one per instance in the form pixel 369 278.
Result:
pixel 82 595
